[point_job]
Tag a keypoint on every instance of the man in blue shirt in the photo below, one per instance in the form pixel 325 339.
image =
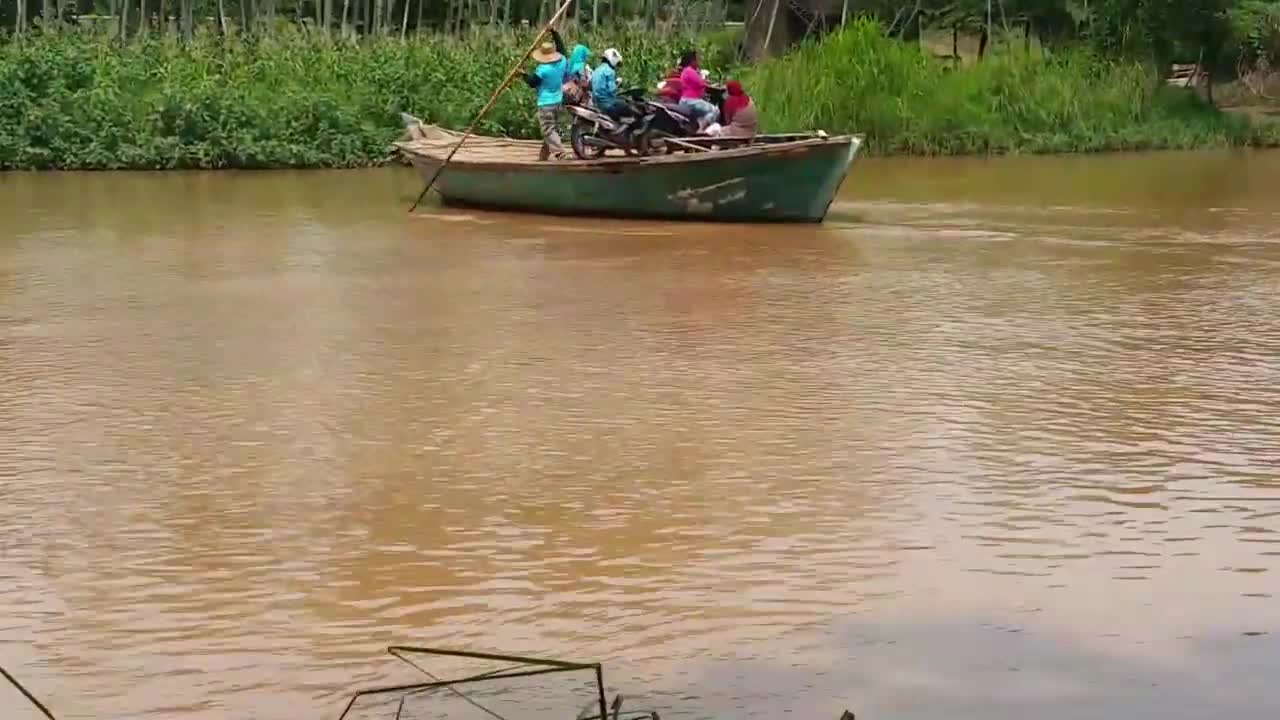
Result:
pixel 604 84
pixel 548 79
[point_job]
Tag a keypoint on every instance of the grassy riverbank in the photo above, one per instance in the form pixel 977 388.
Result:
pixel 906 102
pixel 76 101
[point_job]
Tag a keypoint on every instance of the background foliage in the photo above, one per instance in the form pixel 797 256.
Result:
pixel 321 83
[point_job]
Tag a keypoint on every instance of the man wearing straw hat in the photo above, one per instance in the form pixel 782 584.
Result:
pixel 548 79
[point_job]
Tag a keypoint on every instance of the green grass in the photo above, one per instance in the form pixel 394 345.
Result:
pixel 907 102
pixel 79 101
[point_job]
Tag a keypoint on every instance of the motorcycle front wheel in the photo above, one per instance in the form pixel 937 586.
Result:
pixel 645 144
pixel 657 142
pixel 579 135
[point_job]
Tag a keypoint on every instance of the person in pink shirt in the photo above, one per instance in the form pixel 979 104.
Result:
pixel 693 92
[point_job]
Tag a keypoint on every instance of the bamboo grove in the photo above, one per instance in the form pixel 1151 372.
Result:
pixel 1217 32
pixel 336 18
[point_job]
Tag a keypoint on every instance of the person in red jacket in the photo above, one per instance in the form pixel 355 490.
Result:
pixel 669 89
pixel 739 112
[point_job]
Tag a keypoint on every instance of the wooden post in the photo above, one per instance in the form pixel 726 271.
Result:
pixel 184 19
pixel 768 35
pixel 988 20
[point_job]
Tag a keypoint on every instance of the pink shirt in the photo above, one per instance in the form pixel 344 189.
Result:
pixel 692 86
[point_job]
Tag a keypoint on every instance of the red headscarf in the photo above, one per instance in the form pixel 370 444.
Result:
pixel 736 101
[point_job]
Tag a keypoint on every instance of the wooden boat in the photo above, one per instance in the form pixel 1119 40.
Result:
pixel 772 178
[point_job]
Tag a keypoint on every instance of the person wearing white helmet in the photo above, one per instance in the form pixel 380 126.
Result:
pixel 604 85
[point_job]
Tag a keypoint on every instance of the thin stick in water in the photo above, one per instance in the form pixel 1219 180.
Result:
pixel 27 694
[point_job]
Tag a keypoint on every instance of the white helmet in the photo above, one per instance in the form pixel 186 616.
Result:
pixel 613 57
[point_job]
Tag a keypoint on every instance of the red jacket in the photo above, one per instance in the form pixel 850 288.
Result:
pixel 671 91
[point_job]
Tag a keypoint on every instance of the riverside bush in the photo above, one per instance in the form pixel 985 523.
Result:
pixel 81 101
pixel 906 102
pixel 78 101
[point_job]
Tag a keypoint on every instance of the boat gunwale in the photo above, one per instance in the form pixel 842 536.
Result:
pixel 624 163
pixel 462 204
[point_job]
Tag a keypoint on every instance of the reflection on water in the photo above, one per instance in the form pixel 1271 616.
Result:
pixel 997 441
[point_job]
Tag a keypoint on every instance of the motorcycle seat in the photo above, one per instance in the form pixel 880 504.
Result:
pixel 676 108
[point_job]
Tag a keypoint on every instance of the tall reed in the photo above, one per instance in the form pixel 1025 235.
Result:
pixel 906 102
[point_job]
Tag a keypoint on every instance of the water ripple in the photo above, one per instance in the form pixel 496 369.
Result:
pixel 876 464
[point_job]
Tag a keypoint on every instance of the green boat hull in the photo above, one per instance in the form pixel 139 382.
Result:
pixel 784 182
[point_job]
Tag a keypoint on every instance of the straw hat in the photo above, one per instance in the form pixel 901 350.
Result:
pixel 546 53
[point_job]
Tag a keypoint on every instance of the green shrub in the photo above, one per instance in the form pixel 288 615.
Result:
pixel 82 101
pixel 860 81
pixel 77 100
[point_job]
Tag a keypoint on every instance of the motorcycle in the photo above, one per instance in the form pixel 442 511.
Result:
pixel 671 120
pixel 594 132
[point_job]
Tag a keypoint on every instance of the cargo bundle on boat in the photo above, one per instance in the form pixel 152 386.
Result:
pixel 769 178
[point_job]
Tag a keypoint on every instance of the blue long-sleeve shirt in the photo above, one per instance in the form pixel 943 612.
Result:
pixel 551 76
pixel 604 86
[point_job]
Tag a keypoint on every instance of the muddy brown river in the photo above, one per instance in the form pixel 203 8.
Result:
pixel 1000 440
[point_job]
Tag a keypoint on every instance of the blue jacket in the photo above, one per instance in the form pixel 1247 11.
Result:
pixel 551 78
pixel 604 86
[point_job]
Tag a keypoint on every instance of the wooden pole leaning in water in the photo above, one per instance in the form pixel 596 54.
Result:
pixel 489 105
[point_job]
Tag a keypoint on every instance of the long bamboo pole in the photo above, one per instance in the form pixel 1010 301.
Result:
pixel 489 105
